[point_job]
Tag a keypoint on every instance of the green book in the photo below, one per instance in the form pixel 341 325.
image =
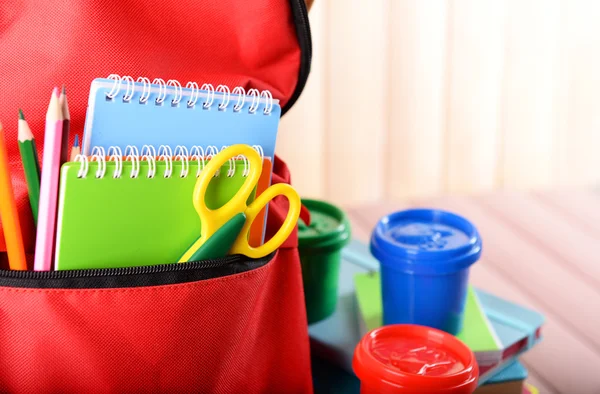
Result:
pixel 477 331
pixel 109 222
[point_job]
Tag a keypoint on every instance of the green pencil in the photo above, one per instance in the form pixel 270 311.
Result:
pixel 31 164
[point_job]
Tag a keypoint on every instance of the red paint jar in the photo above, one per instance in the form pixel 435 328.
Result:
pixel 412 359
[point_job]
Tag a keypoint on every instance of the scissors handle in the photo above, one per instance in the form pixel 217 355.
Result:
pixel 213 219
pixel 241 245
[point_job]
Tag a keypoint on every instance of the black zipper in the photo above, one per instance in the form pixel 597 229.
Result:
pixel 300 15
pixel 151 275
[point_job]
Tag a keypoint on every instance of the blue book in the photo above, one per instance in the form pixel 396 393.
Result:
pixel 122 112
pixel 517 327
pixel 509 379
pixel 335 338
pixel 513 371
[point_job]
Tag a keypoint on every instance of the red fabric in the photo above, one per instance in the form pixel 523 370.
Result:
pixel 242 333
pixel 305 215
pixel 282 173
pixel 48 43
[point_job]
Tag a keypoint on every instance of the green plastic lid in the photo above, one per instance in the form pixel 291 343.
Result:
pixel 329 227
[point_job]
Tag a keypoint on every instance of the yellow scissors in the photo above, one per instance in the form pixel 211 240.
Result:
pixel 220 232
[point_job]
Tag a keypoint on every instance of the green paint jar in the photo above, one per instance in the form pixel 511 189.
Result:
pixel 320 246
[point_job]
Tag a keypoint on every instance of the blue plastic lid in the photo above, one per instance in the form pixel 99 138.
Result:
pixel 426 241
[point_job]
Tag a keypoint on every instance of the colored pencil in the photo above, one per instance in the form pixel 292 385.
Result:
pixel 9 214
pixel 31 164
pixel 44 243
pixel 76 149
pixel 64 105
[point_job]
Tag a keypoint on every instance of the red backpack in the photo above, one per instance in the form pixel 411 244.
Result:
pixel 237 326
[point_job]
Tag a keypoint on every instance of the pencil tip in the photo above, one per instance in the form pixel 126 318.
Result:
pixel 76 144
pixel 21 116
pixel 64 90
pixel 55 91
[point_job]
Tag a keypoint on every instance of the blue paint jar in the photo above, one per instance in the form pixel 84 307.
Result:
pixel 425 256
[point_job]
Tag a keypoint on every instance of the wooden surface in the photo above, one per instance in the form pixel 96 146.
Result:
pixel 541 250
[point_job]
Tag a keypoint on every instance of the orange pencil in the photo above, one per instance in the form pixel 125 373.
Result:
pixel 9 214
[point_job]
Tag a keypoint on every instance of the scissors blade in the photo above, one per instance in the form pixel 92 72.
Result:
pixel 222 240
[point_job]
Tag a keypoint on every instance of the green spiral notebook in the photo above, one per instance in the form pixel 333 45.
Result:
pixel 108 222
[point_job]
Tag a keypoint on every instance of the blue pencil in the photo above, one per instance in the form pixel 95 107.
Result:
pixel 76 150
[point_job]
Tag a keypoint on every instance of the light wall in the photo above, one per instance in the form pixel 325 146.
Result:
pixel 412 97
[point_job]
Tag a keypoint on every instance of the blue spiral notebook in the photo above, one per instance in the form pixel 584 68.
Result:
pixel 124 112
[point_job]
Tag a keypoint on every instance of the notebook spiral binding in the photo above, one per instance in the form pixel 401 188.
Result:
pixel 149 154
pixel 222 91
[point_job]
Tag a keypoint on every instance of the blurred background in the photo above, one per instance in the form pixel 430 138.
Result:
pixel 417 98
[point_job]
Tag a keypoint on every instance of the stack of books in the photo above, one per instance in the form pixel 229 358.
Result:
pixel 496 330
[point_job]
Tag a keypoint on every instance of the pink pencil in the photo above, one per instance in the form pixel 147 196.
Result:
pixel 44 244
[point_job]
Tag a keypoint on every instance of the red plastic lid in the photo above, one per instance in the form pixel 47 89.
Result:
pixel 406 356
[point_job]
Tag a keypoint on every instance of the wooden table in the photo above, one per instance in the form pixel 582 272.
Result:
pixel 541 250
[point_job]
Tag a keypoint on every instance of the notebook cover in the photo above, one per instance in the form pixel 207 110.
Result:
pixel 514 371
pixel 477 332
pixel 124 222
pixel 118 123
pixel 508 379
pixel 257 230
pixel 517 326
